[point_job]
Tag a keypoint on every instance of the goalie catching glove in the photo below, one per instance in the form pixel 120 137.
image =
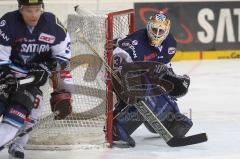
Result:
pixel 61 101
pixel 181 84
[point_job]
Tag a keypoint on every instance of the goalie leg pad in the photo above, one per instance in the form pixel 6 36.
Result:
pixel 180 126
pixel 129 118
pixel 162 106
pixel 166 109
pixel 126 120
pixel 120 133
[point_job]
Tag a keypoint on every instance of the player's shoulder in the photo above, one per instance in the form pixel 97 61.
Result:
pixel 11 14
pixel 10 17
pixel 139 34
pixel 54 26
pixel 171 40
pixel 53 22
pixel 8 24
pixel 50 17
pixel 135 38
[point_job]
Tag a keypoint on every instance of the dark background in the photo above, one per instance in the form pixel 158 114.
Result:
pixel 185 25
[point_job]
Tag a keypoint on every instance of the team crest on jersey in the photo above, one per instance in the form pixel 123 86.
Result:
pixel 47 38
pixel 2 23
pixel 171 50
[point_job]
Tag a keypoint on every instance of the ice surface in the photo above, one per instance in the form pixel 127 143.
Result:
pixel 214 98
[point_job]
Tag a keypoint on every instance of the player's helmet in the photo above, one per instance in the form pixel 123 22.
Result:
pixel 158 28
pixel 29 2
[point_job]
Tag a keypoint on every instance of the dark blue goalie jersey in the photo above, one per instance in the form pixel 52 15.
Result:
pixel 22 46
pixel 136 47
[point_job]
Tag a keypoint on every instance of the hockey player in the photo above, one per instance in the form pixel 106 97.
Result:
pixel 33 43
pixel 154 43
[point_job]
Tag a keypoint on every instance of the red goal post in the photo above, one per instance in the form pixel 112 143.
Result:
pixel 110 36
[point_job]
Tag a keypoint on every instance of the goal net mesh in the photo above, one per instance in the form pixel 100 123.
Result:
pixel 86 125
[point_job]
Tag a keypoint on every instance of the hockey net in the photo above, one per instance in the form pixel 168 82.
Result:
pixel 90 124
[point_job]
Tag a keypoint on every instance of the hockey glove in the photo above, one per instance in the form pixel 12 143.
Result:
pixel 61 101
pixel 181 84
pixel 8 84
pixel 40 73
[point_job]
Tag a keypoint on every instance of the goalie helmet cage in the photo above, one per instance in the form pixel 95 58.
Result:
pixel 90 124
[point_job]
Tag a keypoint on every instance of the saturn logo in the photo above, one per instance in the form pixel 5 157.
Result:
pixel 2 23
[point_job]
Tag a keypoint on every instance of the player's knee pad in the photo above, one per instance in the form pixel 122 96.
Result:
pixel 26 98
pixel 15 115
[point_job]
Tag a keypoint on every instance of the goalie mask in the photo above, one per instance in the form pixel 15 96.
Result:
pixel 158 28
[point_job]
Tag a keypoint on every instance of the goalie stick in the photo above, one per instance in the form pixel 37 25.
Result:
pixel 161 130
pixel 148 114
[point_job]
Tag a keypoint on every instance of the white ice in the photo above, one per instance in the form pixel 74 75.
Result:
pixel 214 98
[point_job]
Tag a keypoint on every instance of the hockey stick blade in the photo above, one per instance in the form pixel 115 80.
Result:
pixel 189 140
pixel 158 126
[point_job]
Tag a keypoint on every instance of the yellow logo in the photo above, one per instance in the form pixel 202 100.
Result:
pixel 33 1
